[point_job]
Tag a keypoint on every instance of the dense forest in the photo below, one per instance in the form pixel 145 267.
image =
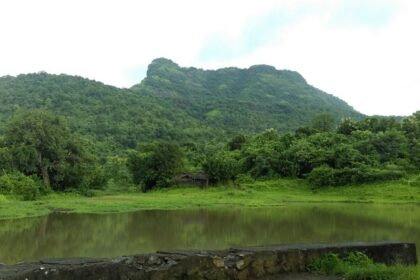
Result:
pixel 65 133
pixel 173 103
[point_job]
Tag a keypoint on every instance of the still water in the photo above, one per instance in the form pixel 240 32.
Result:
pixel 107 235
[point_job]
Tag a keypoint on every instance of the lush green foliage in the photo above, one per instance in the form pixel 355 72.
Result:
pixel 247 100
pixel 16 183
pixel 172 103
pixel 358 152
pixel 358 266
pixel 39 144
pixel 114 119
pixel 155 165
pixel 73 133
pixel 221 166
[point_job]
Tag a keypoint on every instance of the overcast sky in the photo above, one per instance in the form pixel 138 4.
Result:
pixel 366 52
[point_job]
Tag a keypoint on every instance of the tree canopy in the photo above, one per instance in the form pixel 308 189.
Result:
pixel 155 165
pixel 39 143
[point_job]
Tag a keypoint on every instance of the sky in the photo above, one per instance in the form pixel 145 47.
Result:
pixel 366 52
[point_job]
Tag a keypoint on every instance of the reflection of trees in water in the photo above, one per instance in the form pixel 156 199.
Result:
pixel 66 235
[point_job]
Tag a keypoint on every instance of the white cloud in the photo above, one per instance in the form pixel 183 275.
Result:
pixel 373 68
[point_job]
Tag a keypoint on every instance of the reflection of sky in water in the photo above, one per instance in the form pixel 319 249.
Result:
pixel 72 235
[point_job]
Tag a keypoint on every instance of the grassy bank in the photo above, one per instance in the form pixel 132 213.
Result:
pixel 253 194
pixel 358 266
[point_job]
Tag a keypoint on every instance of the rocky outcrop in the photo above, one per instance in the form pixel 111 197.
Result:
pixel 235 263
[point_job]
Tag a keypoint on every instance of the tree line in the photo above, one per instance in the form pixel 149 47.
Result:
pixel 39 154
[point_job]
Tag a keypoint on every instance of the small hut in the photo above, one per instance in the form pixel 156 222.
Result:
pixel 199 179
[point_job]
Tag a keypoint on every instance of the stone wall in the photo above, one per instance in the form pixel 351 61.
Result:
pixel 235 263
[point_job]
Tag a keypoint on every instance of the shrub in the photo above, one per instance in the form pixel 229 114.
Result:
pixel 327 264
pixel 384 174
pixel 358 259
pixel 358 266
pixel 6 184
pixel 322 176
pixel 18 184
pixel 244 179
pixel 155 165
pixel 327 176
pixel 221 167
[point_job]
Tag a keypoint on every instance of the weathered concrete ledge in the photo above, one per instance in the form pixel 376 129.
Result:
pixel 235 263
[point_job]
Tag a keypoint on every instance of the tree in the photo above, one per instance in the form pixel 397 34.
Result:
pixel 40 144
pixel 261 154
pixel 323 122
pixel 236 142
pixel 411 128
pixel 221 167
pixel 155 165
pixel 347 126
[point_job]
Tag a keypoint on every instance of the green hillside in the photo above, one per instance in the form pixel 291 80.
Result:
pixel 113 116
pixel 173 103
pixel 247 100
pixel 229 124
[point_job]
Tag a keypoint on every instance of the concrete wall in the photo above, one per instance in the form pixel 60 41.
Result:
pixel 235 263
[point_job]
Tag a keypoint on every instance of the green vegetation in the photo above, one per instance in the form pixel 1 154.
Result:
pixel 358 266
pixel 155 165
pixel 262 137
pixel 67 134
pixel 241 100
pixel 268 193
pixel 372 150
pixel 16 183
pixel 185 105
pixel 39 144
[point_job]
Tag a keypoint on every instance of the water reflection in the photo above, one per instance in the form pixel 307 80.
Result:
pixel 71 235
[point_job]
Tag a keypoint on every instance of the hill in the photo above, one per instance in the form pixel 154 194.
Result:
pixel 182 104
pixel 109 115
pixel 246 100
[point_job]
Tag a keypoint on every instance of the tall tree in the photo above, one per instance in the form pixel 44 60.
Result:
pixel 155 165
pixel 41 144
pixel 323 122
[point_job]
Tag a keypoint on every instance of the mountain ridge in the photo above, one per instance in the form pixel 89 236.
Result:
pixel 256 89
pixel 174 103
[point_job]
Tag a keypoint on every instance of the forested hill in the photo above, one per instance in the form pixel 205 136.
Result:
pixel 110 116
pixel 235 99
pixel 173 103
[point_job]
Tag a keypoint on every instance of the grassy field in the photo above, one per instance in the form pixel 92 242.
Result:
pixel 253 194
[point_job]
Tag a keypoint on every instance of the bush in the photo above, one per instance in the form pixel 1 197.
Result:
pixel 96 179
pixel 328 264
pixel 327 176
pixel 322 176
pixel 358 266
pixel 6 184
pixel 244 179
pixel 358 259
pixel 221 167
pixel 155 165
pixel 18 184
pixel 374 175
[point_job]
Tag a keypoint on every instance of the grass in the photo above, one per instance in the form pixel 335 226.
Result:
pixel 357 266
pixel 253 194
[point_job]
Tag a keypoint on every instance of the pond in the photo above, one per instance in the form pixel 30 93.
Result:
pixel 110 235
